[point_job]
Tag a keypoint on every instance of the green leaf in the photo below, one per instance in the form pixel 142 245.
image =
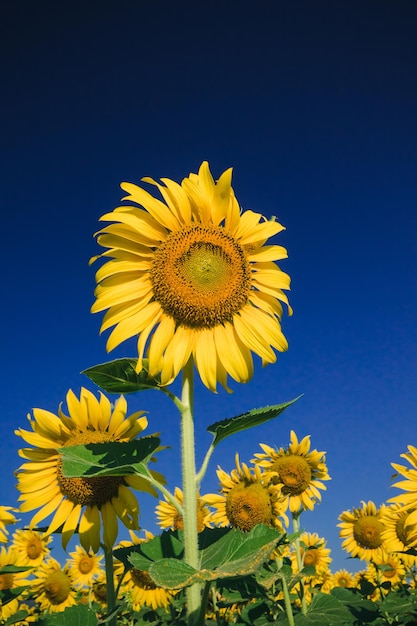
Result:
pixel 167 545
pixel 108 459
pixel 252 418
pixel 234 554
pixel 120 376
pixel 324 610
pixel 79 615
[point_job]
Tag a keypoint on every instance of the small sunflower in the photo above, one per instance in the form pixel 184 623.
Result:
pixel 10 581
pixel 315 553
pixel 53 587
pixel 340 578
pixel 84 567
pixel 191 277
pixel 31 547
pixel 139 588
pixel 297 469
pixel 362 530
pixel 398 536
pixel 245 499
pixel 6 518
pixel 408 500
pixel 389 570
pixel 168 516
pixel 43 486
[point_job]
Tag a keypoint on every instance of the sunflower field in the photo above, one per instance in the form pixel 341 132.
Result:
pixel 191 277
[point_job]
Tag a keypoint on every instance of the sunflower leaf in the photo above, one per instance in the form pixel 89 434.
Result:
pixel 120 376
pixel 108 459
pixel 325 610
pixel 167 545
pixel 234 554
pixel 79 615
pixel 252 418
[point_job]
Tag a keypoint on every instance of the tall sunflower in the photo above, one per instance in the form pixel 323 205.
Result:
pixel 191 276
pixel 246 499
pixel 87 501
pixel 6 518
pixel 362 530
pixel 299 470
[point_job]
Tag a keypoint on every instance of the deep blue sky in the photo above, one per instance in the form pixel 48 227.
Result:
pixel 314 105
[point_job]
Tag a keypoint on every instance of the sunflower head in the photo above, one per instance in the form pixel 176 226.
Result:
pixel 53 587
pixel 362 530
pixel 190 276
pixel 246 499
pixel 84 504
pixel 297 469
pixel 169 515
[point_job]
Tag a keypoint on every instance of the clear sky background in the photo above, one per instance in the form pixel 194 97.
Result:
pixel 314 105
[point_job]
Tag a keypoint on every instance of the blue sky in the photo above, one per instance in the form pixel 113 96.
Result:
pixel 314 106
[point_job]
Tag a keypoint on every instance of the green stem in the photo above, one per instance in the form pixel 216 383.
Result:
pixel 287 599
pixel 189 490
pixel 168 495
pixel 111 596
pixel 204 465
pixel 300 564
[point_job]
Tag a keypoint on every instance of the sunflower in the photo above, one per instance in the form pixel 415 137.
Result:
pixel 192 275
pixel 84 566
pixel 245 499
pixel 398 536
pixel 314 553
pixel 6 518
pixel 297 469
pixel 408 500
pixel 362 531
pixel 53 587
pixel 340 578
pixel 389 570
pixel 139 588
pixel 169 517
pixel 10 581
pixel 31 547
pixel 43 485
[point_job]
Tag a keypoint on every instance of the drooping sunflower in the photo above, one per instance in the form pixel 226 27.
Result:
pixel 169 517
pixel 6 518
pixel 246 499
pixel 87 501
pixel 85 567
pixel 362 531
pixel 297 469
pixel 53 587
pixel 408 500
pixel 192 276
pixel 31 547
pixel 397 536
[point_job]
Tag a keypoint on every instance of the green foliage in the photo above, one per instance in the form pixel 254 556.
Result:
pixel 255 417
pixel 120 376
pixel 79 615
pixel 108 459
